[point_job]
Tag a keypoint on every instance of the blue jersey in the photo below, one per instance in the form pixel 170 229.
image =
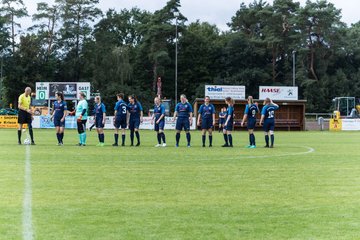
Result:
pixel 207 111
pixel 230 112
pixel 269 112
pixel 121 109
pixel 184 110
pixel 134 110
pixel 59 108
pixel 99 110
pixel 251 111
pixel 158 111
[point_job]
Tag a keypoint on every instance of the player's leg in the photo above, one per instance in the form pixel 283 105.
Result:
pixel 83 135
pixel 123 130
pixel 58 136
pixel 203 135
pixel 210 130
pixel 158 137
pixel 178 128
pixel 62 131
pixel 225 137
pixel 116 135
pixel 137 133
pixel 230 139
pixel 187 130
pixel 272 136
pixel 19 133
pixel 162 133
pixel 29 122
pixel 132 132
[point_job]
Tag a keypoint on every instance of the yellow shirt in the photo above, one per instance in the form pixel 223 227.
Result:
pixel 24 101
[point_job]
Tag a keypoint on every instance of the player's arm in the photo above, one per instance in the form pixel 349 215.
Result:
pixel 191 118
pixel 128 118
pixel 262 119
pixel 214 120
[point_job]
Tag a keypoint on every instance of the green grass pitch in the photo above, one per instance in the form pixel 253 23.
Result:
pixel 308 187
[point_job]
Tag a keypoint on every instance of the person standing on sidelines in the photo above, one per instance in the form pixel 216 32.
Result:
pixel 120 119
pixel 25 115
pixel 222 119
pixel 159 119
pixel 59 115
pixel 229 123
pixel 136 117
pixel 268 118
pixel 207 116
pixel 183 116
pixel 100 118
pixel 82 116
pixel 250 115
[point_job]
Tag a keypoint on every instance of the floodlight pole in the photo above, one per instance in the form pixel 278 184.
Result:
pixel 294 67
pixel 176 14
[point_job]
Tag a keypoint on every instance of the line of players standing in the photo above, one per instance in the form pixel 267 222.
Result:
pixel 131 116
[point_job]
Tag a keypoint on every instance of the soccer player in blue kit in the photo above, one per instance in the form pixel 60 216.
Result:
pixel 120 119
pixel 250 115
pixel 229 123
pixel 207 116
pixel 136 117
pixel 268 118
pixel 100 118
pixel 59 115
pixel 183 116
pixel 159 119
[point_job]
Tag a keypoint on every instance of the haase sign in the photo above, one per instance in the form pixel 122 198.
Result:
pixel 278 93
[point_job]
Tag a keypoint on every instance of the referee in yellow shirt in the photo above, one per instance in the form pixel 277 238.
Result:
pixel 25 115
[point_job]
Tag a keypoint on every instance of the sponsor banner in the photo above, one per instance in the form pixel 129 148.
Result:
pixel 71 90
pixel 70 123
pixel 9 122
pixel 220 92
pixel 350 124
pixel 278 93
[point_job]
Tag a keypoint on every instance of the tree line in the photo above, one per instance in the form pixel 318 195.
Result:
pixel 128 50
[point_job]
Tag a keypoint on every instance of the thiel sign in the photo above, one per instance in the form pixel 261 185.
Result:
pixel 278 93
pixel 221 92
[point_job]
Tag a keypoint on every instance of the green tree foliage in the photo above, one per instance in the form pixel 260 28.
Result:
pixel 127 51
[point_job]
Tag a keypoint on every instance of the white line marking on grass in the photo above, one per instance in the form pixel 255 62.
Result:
pixel 28 233
pixel 240 157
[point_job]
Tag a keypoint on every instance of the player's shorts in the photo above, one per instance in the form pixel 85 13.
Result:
pixel 222 121
pixel 134 123
pixel 81 126
pixel 99 123
pixel 120 122
pixel 269 125
pixel 24 117
pixel 206 123
pixel 251 124
pixel 58 122
pixel 229 126
pixel 160 126
pixel 182 123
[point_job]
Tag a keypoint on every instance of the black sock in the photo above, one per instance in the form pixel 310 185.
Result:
pixel 31 134
pixel 159 138
pixel 203 139
pixel 58 137
pixel 253 139
pixel 210 140
pixel 177 138
pixel 188 137
pixel 61 137
pixel 123 139
pixel 103 138
pixel 230 139
pixel 250 140
pixel 137 137
pixel 267 140
pixel 99 137
pixel 19 136
pixel 116 136
pixel 163 137
pixel 226 139
pixel 272 139
pixel 132 137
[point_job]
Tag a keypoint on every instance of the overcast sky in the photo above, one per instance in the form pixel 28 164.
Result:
pixel 212 11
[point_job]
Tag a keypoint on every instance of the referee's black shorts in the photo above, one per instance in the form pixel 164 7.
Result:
pixel 24 117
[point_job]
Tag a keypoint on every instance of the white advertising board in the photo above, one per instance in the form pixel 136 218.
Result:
pixel 278 93
pixel 220 92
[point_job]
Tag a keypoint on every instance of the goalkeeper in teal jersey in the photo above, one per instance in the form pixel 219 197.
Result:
pixel 82 115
